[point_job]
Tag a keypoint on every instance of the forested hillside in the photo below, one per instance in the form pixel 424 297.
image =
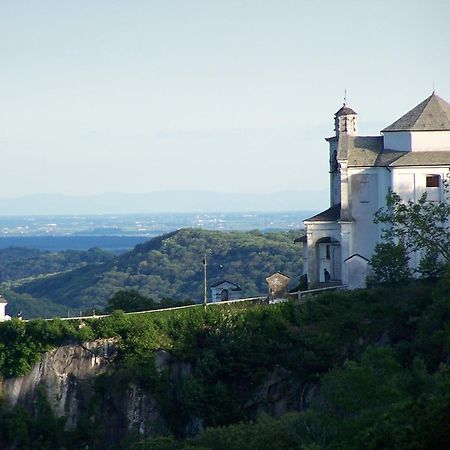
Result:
pixel 17 263
pixel 170 266
pixel 358 370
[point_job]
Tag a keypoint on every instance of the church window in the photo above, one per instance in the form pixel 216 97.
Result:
pixel 433 187
pixel 433 181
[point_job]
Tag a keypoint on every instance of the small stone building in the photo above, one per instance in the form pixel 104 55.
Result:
pixel 225 290
pixel 278 286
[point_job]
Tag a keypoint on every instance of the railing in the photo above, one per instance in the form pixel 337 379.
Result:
pixel 302 295
pixel 100 316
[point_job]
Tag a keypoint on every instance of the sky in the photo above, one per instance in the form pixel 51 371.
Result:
pixel 231 96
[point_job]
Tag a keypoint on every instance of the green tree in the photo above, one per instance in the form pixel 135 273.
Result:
pixel 419 226
pixel 390 264
pixel 129 300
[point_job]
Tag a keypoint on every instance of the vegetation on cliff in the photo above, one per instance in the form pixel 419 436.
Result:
pixel 374 362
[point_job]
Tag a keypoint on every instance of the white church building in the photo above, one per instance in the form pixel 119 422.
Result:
pixel 410 156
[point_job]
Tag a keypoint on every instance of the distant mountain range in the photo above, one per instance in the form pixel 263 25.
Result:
pixel 163 202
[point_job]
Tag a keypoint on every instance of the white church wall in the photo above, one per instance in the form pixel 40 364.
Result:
pixel 315 232
pixel 335 188
pixel 404 185
pixel 399 141
pixel 364 201
pixel 335 176
pixel 305 258
pixel 417 141
pixel 357 268
pixel 426 141
pixel 2 311
pixel 410 183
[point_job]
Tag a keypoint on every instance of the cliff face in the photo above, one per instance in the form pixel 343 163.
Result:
pixel 64 373
pixel 70 378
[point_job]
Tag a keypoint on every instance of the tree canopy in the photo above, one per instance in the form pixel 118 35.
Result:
pixel 170 267
pixel 419 226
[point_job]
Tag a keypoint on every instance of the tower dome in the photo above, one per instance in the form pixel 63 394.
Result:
pixel 345 121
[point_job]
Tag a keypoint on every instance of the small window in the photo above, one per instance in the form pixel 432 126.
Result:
pixel 433 181
pixel 327 250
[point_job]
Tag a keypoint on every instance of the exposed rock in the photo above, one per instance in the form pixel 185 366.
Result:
pixel 278 394
pixel 116 406
pixel 60 372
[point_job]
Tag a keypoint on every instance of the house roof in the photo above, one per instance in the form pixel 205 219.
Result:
pixel 355 255
pixel 236 286
pixel 329 215
pixel 278 274
pixel 2 300
pixel 433 114
pixel 301 239
pixel 327 240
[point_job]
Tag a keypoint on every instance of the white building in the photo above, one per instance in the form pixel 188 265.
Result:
pixel 409 157
pixel 224 291
pixel 3 315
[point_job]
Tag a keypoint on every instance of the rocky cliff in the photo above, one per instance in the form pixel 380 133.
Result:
pixel 83 385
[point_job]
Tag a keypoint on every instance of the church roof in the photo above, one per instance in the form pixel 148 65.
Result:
pixel 433 114
pixel 367 151
pixel 430 158
pixel 329 215
pixel 345 111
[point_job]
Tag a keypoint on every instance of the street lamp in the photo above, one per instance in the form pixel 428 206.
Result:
pixel 205 276
pixel 205 264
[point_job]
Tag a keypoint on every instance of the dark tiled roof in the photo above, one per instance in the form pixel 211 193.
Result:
pixel 367 151
pixel 236 286
pixel 355 255
pixel 329 215
pixel 278 274
pixel 362 150
pixel 345 111
pixel 433 114
pixel 301 239
pixel 327 240
pixel 432 158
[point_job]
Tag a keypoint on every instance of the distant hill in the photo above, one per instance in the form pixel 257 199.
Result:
pixel 170 266
pixel 17 262
pixel 164 201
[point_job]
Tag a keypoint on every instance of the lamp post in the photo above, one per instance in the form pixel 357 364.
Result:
pixel 205 264
pixel 205 276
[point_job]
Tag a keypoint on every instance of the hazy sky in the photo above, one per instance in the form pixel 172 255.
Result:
pixel 224 95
